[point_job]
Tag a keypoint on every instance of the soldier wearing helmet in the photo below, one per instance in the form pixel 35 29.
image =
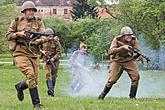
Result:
pixel 122 59
pixel 51 56
pixel 25 56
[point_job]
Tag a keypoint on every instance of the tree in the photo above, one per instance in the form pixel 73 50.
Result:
pixel 82 9
pixel 7 14
pixel 62 29
pixel 144 17
pixel 95 33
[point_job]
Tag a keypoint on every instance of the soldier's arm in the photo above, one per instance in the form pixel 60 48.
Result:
pixel 11 33
pixel 115 49
pixel 58 51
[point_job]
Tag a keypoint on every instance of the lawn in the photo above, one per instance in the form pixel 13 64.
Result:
pixel 10 75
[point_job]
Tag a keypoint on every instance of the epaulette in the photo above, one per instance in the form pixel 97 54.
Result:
pixel 19 18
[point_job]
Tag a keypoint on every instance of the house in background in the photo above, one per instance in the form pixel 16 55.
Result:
pixel 61 8
pixel 52 8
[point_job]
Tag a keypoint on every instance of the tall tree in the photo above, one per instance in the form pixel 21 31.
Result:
pixel 82 9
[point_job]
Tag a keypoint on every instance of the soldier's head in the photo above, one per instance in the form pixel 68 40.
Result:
pixel 50 32
pixel 29 9
pixel 83 46
pixel 126 33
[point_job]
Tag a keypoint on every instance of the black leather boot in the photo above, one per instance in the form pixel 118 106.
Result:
pixel 20 87
pixel 50 87
pixel 35 98
pixel 54 83
pixel 104 93
pixel 133 91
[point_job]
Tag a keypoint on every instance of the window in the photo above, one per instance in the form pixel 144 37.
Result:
pixel 54 11
pixel 65 11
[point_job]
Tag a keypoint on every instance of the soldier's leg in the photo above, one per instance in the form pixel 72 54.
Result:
pixel 32 79
pixel 20 87
pixel 54 74
pixel 115 72
pixel 29 68
pixel 20 63
pixel 49 82
pixel 132 70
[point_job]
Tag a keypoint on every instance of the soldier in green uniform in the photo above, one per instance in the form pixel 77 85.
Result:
pixel 51 56
pixel 122 59
pixel 25 56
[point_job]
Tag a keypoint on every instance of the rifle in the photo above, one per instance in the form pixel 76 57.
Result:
pixel 35 35
pixel 48 59
pixel 135 51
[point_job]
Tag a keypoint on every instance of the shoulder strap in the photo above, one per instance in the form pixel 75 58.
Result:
pixel 16 20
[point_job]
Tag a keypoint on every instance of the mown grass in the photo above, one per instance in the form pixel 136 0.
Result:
pixel 10 75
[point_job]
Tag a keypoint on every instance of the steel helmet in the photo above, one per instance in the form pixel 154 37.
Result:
pixel 126 30
pixel 49 31
pixel 28 5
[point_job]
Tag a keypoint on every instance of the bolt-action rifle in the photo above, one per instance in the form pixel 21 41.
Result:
pixel 136 52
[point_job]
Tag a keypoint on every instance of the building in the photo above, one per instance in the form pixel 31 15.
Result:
pixel 52 8
pixel 62 8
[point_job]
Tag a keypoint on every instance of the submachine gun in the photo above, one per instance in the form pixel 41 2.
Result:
pixel 136 52
pixel 35 35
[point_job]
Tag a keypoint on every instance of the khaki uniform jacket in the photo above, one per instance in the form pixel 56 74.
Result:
pixel 53 47
pixel 21 24
pixel 117 53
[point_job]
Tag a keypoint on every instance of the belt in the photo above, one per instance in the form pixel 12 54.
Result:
pixel 23 44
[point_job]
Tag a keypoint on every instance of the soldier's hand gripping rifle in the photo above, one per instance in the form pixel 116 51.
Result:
pixel 48 57
pixel 35 35
pixel 136 52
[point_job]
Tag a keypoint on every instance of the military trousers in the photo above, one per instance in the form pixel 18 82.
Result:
pixel 29 66
pixel 51 71
pixel 116 69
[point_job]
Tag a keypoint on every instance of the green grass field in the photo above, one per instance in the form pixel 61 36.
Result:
pixel 10 75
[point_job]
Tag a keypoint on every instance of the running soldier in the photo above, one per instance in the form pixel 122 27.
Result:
pixel 25 52
pixel 122 59
pixel 51 54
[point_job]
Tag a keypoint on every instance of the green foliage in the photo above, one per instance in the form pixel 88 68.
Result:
pixel 81 9
pixel 95 33
pixel 6 2
pixel 144 17
pixel 7 14
pixel 62 30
